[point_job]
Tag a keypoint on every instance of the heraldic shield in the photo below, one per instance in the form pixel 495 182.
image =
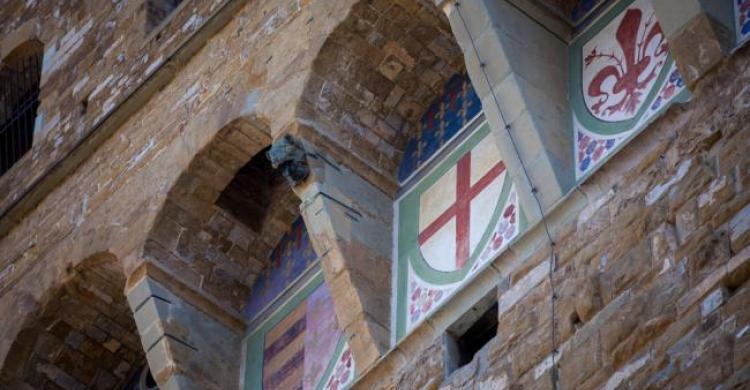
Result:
pixel 456 210
pixel 453 221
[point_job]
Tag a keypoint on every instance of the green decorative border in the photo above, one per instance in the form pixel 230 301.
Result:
pixel 332 364
pixel 408 209
pixel 255 339
pixel 575 88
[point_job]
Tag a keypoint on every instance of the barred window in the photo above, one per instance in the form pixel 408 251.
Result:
pixel 19 99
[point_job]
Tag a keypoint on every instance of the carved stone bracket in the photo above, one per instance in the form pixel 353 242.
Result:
pixel 288 155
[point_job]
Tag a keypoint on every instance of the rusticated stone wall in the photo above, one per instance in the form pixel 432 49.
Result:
pixel 652 275
pixel 84 336
pixel 96 54
pixel 111 201
pixel 651 278
pixel 373 80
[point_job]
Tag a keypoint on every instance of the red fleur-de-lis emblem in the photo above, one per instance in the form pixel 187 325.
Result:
pixel 622 78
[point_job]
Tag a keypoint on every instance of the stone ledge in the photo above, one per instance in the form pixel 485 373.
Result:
pixel 737 266
pixel 223 315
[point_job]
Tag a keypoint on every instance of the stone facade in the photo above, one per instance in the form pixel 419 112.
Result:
pixel 651 274
pixel 83 337
pixel 146 128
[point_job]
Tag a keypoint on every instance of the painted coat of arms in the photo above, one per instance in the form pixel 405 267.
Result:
pixel 451 223
pixel 622 76
pixel 299 345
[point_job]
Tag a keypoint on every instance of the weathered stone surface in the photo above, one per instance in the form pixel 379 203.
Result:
pixel 181 342
pixel 83 337
pixel 651 278
pixel 348 222
pixel 651 284
pixel 699 34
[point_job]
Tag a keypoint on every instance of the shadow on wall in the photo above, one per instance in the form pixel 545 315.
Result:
pixel 83 335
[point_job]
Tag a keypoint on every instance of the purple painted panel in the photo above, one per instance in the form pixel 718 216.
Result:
pixel 291 257
pixel 322 335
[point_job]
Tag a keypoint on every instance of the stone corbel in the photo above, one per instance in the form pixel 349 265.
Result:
pixel 288 155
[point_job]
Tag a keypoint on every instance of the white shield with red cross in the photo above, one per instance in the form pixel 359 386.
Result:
pixel 456 210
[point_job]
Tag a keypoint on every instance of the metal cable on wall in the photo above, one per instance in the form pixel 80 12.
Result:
pixel 534 193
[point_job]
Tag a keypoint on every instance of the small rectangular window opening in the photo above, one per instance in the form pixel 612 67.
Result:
pixel 470 334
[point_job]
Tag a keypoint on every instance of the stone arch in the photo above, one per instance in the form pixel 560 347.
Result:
pixel 23 49
pixel 82 334
pixel 20 76
pixel 25 33
pixel 209 242
pixel 200 239
pixel 372 80
pixel 370 84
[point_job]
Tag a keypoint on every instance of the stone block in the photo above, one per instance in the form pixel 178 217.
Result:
pixel 167 233
pixel 710 254
pixel 663 245
pixel 518 290
pixel 739 230
pixel 687 221
pixel 698 46
pixel 719 192
pixel 699 33
pixel 665 290
pixel 367 341
pixel 621 324
pixel 578 364
pixel 637 342
pixel 627 371
pixel 176 336
pixel 625 272
pixel 713 301
pixel 737 307
pixel 426 371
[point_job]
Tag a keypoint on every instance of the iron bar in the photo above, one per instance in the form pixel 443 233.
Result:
pixel 19 101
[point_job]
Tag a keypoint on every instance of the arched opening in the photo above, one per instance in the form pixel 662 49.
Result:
pixel 373 80
pixel 250 194
pixel 224 216
pixel 83 336
pixel 20 73
pixel 389 78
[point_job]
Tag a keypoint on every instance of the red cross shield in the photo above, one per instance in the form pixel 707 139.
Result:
pixel 456 210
